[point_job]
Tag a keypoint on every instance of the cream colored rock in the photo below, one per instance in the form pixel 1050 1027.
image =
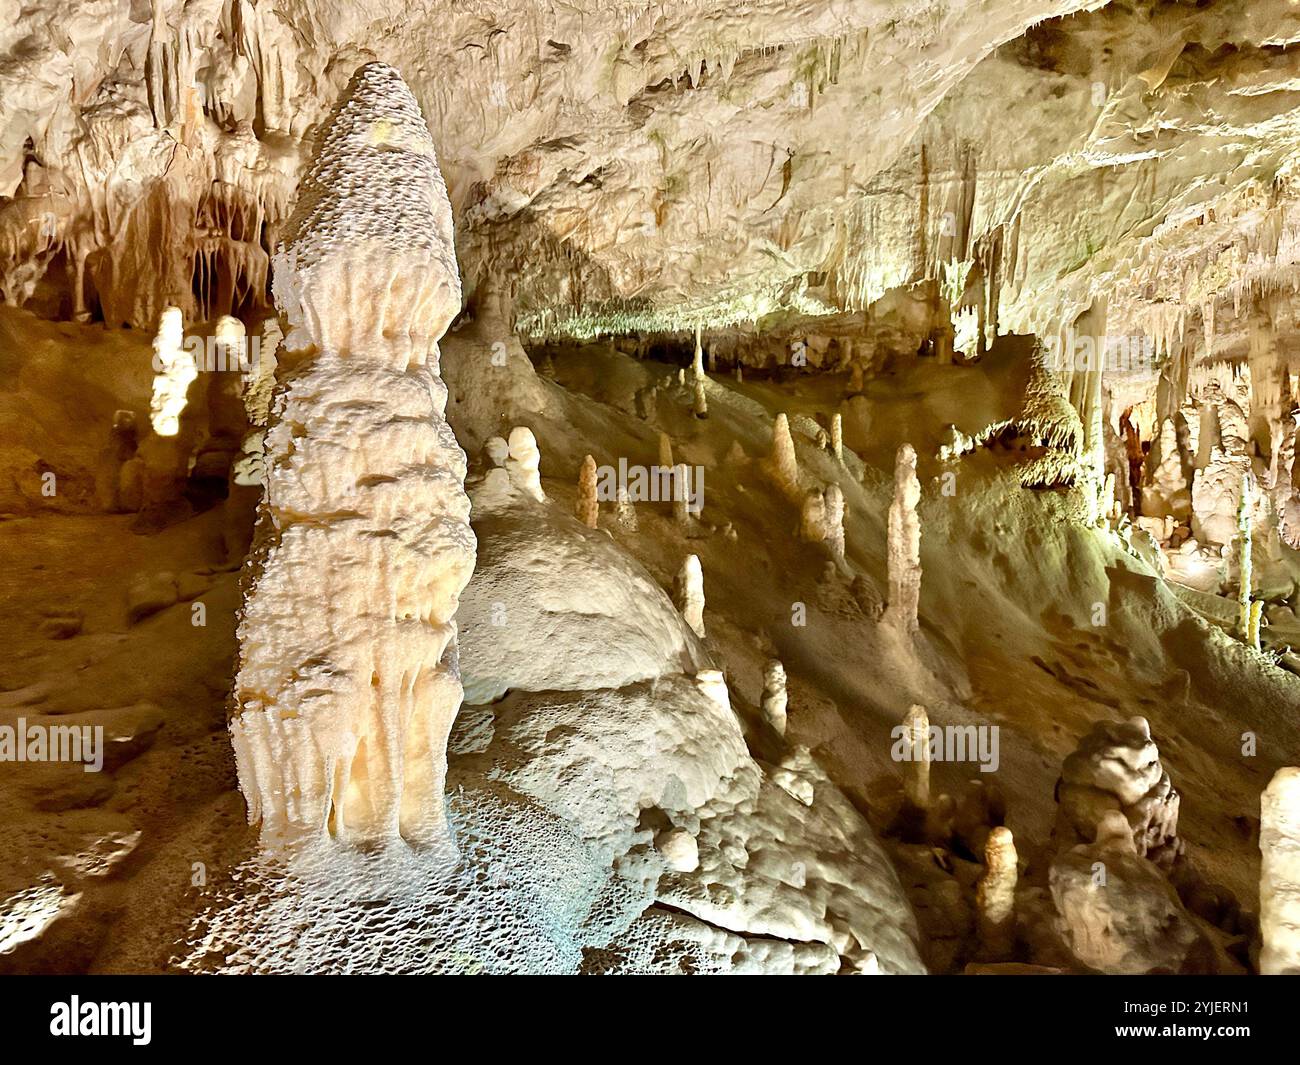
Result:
pixel 690 594
pixel 523 463
pixel 348 680
pixel 175 371
pixel 834 522
pixel 1279 875
pixel 782 466
pixel 679 850
pixel 775 698
pixel 903 551
pixel 1116 767
pixel 812 517
pixel 916 769
pixel 995 894
pixel 700 402
pixel 497 451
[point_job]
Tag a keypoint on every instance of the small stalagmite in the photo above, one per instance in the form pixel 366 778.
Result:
pixel 524 463
pixel 775 697
pixel 834 521
pixel 587 506
pixel 625 510
pixel 916 767
pixel 812 517
pixel 1279 874
pixel 904 545
pixel 690 594
pixel 1248 615
pixel 995 894
pixel 666 452
pixel 348 679
pixel 701 401
pixel 782 465
pixel 837 435
pixel 682 494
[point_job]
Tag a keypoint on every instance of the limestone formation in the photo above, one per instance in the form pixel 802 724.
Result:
pixel 497 451
pixel 1116 767
pixel 523 463
pixel 1279 875
pixel 712 684
pixel 812 517
pixel 587 507
pixel 903 552
pixel 834 522
pixel 1051 244
pixel 679 849
pixel 782 466
pixel 690 594
pixel 916 766
pixel 174 371
pixel 348 678
pixel 1115 911
pixel 1248 614
pixel 774 700
pixel 700 404
pixel 681 495
pixel 624 510
pixel 995 895
pixel 666 452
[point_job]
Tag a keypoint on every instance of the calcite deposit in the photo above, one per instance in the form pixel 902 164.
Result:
pixel 381 384
pixel 348 677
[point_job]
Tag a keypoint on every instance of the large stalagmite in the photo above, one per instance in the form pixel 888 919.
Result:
pixel 348 677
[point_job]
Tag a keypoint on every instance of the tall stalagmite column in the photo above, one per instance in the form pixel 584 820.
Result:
pixel 904 548
pixel 348 677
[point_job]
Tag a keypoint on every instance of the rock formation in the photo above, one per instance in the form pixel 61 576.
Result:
pixel 904 547
pixel 1279 879
pixel 690 594
pixel 1116 768
pixel 916 764
pixel 834 522
pixel 348 679
pixel 996 894
pixel 774 699
pixel 1117 913
pixel 587 507
pixel 782 466
pixel 523 463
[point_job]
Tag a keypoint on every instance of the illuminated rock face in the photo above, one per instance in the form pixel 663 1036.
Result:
pixel 1279 881
pixel 1116 768
pixel 348 678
